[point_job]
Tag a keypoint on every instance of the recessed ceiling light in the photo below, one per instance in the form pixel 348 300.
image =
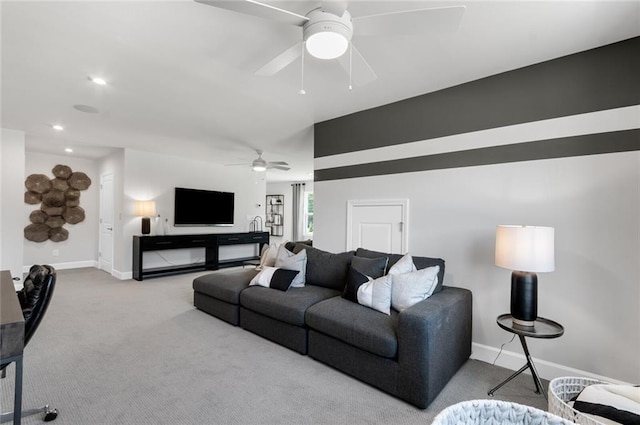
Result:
pixel 99 81
pixel 69 150
pixel 57 127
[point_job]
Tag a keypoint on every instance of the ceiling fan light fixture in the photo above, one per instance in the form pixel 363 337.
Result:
pixel 327 45
pixel 259 165
pixel 327 36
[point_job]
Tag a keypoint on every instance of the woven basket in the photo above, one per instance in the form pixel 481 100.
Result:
pixel 482 412
pixel 561 390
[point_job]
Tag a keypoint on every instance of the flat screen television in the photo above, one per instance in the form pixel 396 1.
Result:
pixel 195 207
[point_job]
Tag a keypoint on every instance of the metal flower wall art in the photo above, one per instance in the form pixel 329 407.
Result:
pixel 59 200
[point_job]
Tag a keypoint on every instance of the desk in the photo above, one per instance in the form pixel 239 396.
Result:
pixel 542 328
pixel 12 336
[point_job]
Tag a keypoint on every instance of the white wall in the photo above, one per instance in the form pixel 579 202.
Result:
pixel 594 204
pixel 12 159
pixel 81 248
pixel 151 176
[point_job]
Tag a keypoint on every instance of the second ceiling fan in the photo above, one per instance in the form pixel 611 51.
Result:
pixel 327 31
pixel 259 164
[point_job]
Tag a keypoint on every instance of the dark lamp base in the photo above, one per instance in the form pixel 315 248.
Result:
pixel 524 298
pixel 146 225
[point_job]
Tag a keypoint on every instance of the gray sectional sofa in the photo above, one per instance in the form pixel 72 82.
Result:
pixel 410 354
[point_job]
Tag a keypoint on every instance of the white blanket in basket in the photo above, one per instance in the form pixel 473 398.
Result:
pixel 609 403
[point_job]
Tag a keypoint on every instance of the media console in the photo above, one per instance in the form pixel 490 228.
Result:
pixel 211 242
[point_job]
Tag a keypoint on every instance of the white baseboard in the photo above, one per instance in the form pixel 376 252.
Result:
pixel 122 275
pixel 69 265
pixel 83 264
pixel 514 361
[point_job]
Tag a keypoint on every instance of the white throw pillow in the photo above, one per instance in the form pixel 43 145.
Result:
pixel 288 260
pixel 403 265
pixel 411 288
pixel 264 277
pixel 273 277
pixel 268 257
pixel 376 294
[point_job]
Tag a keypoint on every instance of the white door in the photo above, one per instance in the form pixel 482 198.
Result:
pixel 378 225
pixel 105 255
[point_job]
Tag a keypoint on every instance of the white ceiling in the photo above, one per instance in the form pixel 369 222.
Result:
pixel 180 73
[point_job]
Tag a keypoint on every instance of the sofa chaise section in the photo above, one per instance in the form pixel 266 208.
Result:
pixel 219 293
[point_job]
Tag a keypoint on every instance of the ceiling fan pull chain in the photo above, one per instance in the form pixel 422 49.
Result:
pixel 350 65
pixel 302 72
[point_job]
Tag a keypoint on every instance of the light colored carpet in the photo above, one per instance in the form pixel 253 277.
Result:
pixel 128 352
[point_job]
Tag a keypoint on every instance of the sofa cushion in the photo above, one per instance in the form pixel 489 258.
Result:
pixel 354 324
pixel 413 287
pixel 289 306
pixel 372 267
pixel 376 294
pixel 224 285
pixel 285 259
pixel 268 256
pixel 291 244
pixel 273 277
pixel 325 268
pixel 420 262
pixel 354 280
pixel 361 269
pixel 403 265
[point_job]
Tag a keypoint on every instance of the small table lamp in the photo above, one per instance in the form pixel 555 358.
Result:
pixel 145 209
pixel 525 250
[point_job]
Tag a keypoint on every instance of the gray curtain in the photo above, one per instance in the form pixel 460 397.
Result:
pixel 298 212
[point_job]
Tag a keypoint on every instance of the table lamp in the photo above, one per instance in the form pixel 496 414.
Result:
pixel 145 209
pixel 525 250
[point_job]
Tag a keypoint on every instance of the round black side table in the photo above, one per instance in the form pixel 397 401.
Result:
pixel 542 328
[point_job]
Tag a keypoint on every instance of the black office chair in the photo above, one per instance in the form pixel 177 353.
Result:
pixel 34 298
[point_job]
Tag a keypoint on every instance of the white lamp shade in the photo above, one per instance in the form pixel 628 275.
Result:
pixel 145 208
pixel 525 248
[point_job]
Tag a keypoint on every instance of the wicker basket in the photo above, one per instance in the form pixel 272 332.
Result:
pixel 561 390
pixel 480 412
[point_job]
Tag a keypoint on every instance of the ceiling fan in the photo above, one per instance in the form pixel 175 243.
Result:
pixel 260 164
pixel 327 31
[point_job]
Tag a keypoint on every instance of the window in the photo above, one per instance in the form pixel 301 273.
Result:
pixel 308 213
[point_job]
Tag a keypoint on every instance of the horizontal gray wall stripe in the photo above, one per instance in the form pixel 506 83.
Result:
pixel 591 144
pixel 607 77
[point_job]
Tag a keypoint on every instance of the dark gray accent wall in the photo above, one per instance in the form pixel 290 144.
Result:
pixel 603 78
pixel 591 144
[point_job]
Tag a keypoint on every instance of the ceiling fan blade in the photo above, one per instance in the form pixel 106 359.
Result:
pixel 278 63
pixel 278 167
pixel 244 164
pixel 278 163
pixel 336 7
pixel 261 10
pixel 361 71
pixel 411 22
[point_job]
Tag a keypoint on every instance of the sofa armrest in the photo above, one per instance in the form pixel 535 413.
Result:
pixel 434 340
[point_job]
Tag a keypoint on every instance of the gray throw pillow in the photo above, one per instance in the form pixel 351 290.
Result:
pixel 372 267
pixel 325 268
